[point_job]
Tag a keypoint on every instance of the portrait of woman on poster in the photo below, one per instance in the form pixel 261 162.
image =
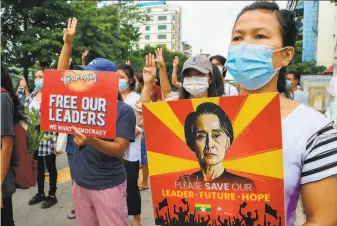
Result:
pixel 209 134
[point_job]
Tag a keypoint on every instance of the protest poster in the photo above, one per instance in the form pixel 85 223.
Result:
pixel 216 160
pixel 84 99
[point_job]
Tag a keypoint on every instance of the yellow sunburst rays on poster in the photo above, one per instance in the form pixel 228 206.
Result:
pixel 198 101
pixel 252 107
pixel 162 164
pixel 266 164
pixel 164 113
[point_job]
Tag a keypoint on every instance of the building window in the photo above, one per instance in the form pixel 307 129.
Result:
pixel 161 27
pixel 161 36
pixel 147 37
pixel 162 17
pixel 147 28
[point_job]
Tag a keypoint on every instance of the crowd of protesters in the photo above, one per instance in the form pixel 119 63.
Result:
pixel 105 172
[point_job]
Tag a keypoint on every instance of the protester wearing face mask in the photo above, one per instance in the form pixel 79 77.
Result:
pixel 45 155
pixel 220 61
pixel 132 155
pixel 197 82
pixel 262 45
pixel 99 188
pixel 292 83
pixel 218 79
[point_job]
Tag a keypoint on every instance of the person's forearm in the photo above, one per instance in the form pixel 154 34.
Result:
pixel 107 147
pixel 83 61
pixel 328 221
pixel 164 81
pixel 27 92
pixel 6 154
pixel 63 63
pixel 146 93
pixel 174 75
pixel 137 131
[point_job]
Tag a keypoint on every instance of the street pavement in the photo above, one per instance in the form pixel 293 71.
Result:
pixel 57 215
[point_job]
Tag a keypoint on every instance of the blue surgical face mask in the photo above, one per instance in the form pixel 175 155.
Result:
pixel 123 85
pixel 251 65
pixel 38 83
pixel 288 84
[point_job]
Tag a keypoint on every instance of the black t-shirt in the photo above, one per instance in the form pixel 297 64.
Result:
pixel 7 129
pixel 95 170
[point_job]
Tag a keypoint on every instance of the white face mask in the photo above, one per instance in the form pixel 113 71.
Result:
pixel 220 69
pixel 196 86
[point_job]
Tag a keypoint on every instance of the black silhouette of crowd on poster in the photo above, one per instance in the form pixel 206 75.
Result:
pixel 183 216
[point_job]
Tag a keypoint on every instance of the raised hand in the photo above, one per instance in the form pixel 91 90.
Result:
pixel 149 71
pixel 85 53
pixel 159 57
pixel 23 83
pixel 69 32
pixel 176 62
pixel 128 62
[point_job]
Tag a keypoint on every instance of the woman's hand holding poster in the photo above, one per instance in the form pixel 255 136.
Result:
pixel 216 160
pixel 84 99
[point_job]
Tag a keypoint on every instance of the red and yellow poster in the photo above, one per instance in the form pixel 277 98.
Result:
pixel 84 99
pixel 216 161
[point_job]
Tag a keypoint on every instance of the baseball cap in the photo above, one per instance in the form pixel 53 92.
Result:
pixel 199 63
pixel 98 64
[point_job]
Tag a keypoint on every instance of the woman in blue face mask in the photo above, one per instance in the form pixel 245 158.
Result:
pixel 132 156
pixel 262 45
pixel 45 155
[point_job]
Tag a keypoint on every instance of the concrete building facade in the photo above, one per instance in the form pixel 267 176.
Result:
pixel 164 27
pixel 319 31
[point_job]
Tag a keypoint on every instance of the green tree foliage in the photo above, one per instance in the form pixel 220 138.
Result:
pixel 137 58
pixel 35 137
pixel 304 68
pixel 307 68
pixel 32 30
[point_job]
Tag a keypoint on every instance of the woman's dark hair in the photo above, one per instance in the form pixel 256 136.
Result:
pixel 129 72
pixel 212 91
pixel 219 58
pixel 6 83
pixel 119 97
pixel 40 69
pixel 139 77
pixel 220 89
pixel 206 108
pixel 222 60
pixel 288 30
pixel 297 75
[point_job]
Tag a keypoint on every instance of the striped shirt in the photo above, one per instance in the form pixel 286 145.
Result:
pixel 309 153
pixel 46 147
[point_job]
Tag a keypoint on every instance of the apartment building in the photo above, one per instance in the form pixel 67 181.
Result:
pixel 319 30
pixel 164 27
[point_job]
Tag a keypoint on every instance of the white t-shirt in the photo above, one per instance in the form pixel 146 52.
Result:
pixel 300 96
pixel 230 90
pixel 133 152
pixel 309 143
pixel 34 104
